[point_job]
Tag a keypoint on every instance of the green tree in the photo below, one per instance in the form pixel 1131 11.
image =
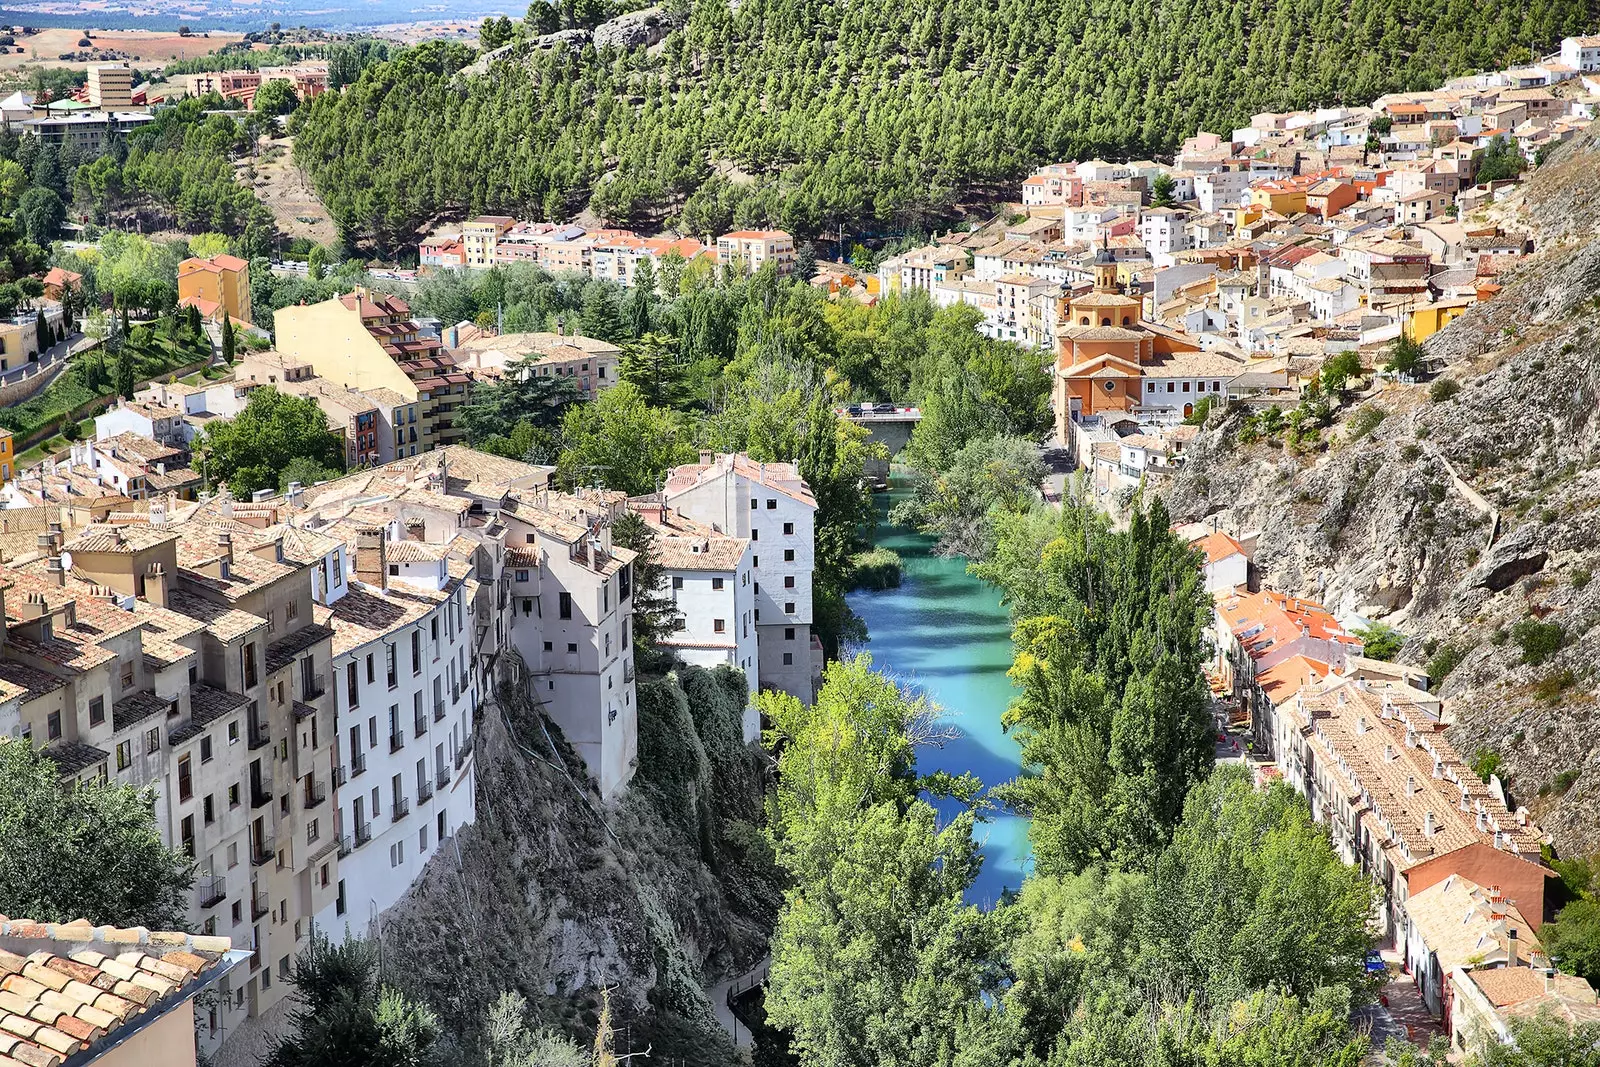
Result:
pixel 1114 723
pixel 251 450
pixel 987 476
pixel 1546 1040
pixel 1405 355
pixel 40 214
pixel 1573 937
pixel 275 97
pixel 510 1040
pixel 1338 370
pixel 317 263
pixel 620 441
pixel 542 18
pixel 601 317
pixel 343 1013
pixel 652 364
pixel 1380 641
pixel 1499 161
pixel 655 612
pixel 227 339
pixel 88 850
pixel 1163 191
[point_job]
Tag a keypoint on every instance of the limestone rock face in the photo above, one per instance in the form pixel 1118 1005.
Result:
pixel 1454 520
pixel 636 29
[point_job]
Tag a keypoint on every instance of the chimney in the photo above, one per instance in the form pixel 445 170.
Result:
pixel 1429 824
pixel 225 545
pixel 705 457
pixel 44 544
pixel 1511 947
pixel 155 585
pixel 1411 786
pixel 57 573
pixel 372 556
pixel 55 536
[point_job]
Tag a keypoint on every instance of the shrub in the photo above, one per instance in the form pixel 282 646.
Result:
pixel 1564 781
pixel 1550 688
pixel 1539 641
pixel 1410 452
pixel 878 568
pixel 1485 762
pixel 1445 660
pixel 1580 578
pixel 1380 641
pixel 1443 389
pixel 1365 420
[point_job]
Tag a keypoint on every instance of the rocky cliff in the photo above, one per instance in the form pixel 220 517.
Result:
pixel 555 895
pixel 1469 516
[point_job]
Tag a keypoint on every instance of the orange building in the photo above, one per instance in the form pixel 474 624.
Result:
pixel 1103 351
pixel 217 286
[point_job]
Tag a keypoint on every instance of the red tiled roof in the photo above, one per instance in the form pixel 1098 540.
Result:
pixel 1218 546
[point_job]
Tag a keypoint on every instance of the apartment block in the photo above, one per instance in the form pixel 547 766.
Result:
pixel 750 250
pixel 369 342
pixel 771 505
pixel 110 87
pixel 218 287
pixel 591 364
pixel 480 236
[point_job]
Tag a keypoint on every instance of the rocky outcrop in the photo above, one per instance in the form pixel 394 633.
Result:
pixel 555 895
pixel 1397 523
pixel 636 29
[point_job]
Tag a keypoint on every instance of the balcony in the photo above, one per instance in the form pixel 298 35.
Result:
pixel 358 764
pixel 627 669
pixel 211 889
pixel 314 686
pixel 400 809
pixel 442 779
pixel 438 711
pixel 258 905
pixel 345 846
pixel 462 753
pixel 363 833
pixel 264 851
pixel 424 791
pixel 397 741
pixel 338 776
pixel 259 735
pixel 261 791
pixel 420 723
pixel 316 794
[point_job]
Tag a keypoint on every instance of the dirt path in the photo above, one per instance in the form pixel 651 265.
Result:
pixel 287 193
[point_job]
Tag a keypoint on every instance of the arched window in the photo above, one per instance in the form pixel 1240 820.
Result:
pixel 1126 321
pixel 1105 320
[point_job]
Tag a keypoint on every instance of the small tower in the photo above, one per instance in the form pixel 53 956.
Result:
pixel 1105 272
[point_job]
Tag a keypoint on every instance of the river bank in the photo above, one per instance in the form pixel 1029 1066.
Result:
pixel 945 633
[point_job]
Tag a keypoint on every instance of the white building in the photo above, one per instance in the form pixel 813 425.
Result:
pixel 1581 53
pixel 405 696
pixel 711 578
pixel 1221 189
pixel 1226 567
pixel 771 505
pixel 572 624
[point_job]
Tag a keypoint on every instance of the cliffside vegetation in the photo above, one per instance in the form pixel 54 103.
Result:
pixel 553 897
pixel 875 114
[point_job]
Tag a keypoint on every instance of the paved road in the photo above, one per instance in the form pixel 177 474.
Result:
pixel 719 1000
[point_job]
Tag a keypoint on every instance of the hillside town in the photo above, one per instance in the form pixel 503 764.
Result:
pixel 351 634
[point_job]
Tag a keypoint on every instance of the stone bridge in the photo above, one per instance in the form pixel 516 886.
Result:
pixel 889 425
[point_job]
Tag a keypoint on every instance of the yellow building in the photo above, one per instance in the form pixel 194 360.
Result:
pixel 368 342
pixel 1429 319
pixel 8 456
pixel 217 286
pixel 480 238
pixel 1280 197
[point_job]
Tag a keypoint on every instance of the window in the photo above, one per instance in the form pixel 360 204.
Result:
pixel 185 779
pixel 788 528
pixel 1186 387
pixel 788 633
pixel 352 687
pixel 233 795
pixel 754 503
pixel 291 610
pixel 233 732
pixel 789 608
pixel 572 648
pixel 416 652
pixel 391 663
pixel 788 659
pixel 772 505
pixel 788 555
pixel 564 605
pixel 522 576
pixel 549 647
pixel 716 583
pixel 371 675
pixel 719 625
pixel 205 749
pixel 127 676
pixel 755 535
pixel 788 581
pixel 1172 387
pixel 97 711
pixel 210 809
pixel 52 727
pixel 124 755
pixel 677 583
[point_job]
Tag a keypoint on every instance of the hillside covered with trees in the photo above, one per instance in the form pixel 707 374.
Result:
pixel 871 113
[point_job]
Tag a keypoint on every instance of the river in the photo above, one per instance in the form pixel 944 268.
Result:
pixel 945 633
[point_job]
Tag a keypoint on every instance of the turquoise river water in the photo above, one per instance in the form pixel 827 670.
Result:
pixel 945 633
